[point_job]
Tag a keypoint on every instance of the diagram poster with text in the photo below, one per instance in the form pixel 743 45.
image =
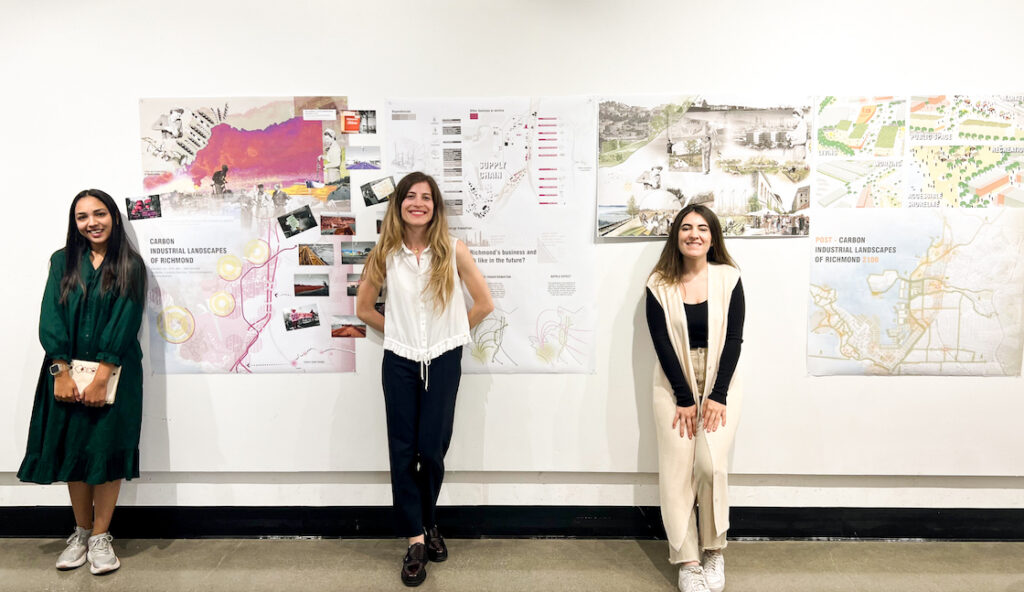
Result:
pixel 517 176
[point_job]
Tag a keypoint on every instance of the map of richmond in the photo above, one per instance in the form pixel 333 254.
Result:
pixel 945 300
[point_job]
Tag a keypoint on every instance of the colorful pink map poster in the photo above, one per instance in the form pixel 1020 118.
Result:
pixel 243 184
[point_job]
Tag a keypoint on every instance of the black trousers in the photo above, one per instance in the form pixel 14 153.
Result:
pixel 419 431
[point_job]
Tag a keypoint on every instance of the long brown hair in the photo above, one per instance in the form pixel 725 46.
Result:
pixel 442 280
pixel 122 272
pixel 670 265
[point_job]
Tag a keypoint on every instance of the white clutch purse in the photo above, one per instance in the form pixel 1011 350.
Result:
pixel 82 372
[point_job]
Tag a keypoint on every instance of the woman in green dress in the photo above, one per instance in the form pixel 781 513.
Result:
pixel 91 311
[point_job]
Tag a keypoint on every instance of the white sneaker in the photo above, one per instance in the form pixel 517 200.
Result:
pixel 691 579
pixel 713 563
pixel 74 554
pixel 101 555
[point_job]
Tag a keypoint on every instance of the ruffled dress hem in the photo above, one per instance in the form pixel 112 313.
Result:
pixel 94 469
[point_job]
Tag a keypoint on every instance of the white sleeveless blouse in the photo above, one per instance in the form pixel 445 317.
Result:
pixel 413 327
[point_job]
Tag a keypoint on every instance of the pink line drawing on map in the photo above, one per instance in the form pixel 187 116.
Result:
pixel 258 325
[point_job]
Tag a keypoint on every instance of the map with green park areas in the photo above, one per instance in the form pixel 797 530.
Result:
pixel 851 127
pixel 887 136
pixel 967 119
pixel 917 292
pixel 966 176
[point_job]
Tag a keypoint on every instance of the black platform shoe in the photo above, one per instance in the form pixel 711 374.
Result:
pixel 437 551
pixel 414 566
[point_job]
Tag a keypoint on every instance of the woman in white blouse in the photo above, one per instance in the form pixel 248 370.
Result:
pixel 427 324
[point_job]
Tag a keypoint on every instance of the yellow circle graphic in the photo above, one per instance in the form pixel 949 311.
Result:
pixel 257 251
pixel 222 304
pixel 175 324
pixel 229 267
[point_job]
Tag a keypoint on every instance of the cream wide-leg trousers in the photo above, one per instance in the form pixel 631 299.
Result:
pixel 687 477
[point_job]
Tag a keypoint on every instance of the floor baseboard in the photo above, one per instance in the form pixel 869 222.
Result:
pixel 641 522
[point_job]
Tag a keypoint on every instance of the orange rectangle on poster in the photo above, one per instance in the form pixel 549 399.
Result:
pixel 351 123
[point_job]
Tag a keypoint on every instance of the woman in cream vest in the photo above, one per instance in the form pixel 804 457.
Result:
pixel 695 312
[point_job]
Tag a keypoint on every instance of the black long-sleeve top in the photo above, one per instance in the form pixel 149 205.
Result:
pixel 697 330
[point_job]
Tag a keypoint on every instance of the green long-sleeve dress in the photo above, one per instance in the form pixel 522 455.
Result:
pixel 69 441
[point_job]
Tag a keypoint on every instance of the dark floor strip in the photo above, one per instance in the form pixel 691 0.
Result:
pixel 641 522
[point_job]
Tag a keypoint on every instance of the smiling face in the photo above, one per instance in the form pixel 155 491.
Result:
pixel 418 205
pixel 94 221
pixel 694 236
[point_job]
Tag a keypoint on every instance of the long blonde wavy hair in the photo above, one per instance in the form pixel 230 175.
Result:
pixel 442 281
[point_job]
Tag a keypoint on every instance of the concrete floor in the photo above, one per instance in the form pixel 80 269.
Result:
pixel 516 565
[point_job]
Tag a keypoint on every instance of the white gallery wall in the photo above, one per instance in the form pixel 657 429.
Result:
pixel 73 73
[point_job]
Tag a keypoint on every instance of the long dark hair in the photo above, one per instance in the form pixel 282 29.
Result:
pixel 123 270
pixel 670 264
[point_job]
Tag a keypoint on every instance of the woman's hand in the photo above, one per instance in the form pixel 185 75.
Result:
pixel 686 417
pixel 713 413
pixel 64 389
pixel 95 395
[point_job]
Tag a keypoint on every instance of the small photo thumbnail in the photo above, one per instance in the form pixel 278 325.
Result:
pixel 312 284
pixel 362 158
pixel 297 221
pixel 347 326
pixel 355 253
pixel 337 225
pixel 378 191
pixel 316 254
pixel 359 122
pixel 352 283
pixel 141 209
pixel 301 317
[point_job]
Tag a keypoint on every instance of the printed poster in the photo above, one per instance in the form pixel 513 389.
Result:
pixel 517 176
pixel 242 227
